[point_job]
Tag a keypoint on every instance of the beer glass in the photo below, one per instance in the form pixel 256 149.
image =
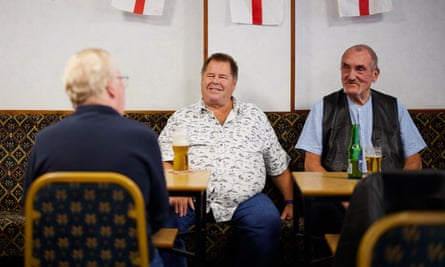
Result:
pixel 373 156
pixel 180 150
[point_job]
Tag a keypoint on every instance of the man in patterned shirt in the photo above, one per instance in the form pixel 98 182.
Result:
pixel 235 141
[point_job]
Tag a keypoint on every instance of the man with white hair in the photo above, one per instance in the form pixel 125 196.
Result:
pixel 96 137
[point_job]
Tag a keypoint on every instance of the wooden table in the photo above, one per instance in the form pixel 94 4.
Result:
pixel 316 186
pixel 192 183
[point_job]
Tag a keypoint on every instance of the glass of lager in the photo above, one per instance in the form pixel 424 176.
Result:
pixel 373 157
pixel 180 150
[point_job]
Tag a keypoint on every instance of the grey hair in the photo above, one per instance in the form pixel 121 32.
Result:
pixel 87 74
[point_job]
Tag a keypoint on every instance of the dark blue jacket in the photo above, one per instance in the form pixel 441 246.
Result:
pixel 97 138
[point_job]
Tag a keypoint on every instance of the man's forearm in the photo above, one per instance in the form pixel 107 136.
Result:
pixel 312 162
pixel 284 183
pixel 413 162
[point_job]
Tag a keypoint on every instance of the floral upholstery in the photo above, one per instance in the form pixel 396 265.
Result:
pixel 19 128
pixel 408 238
pixel 411 245
pixel 88 222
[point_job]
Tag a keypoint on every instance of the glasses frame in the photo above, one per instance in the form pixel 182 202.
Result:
pixel 124 79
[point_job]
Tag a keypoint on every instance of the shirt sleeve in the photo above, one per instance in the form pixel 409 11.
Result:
pixel 276 158
pixel 165 139
pixel 411 139
pixel 310 138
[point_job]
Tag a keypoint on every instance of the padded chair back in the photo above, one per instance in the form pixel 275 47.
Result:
pixel 85 219
pixel 410 238
pixel 413 190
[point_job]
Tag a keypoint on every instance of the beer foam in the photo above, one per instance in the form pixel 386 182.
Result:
pixel 180 137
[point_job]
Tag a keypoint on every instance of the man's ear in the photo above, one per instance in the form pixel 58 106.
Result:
pixel 110 89
pixel 376 74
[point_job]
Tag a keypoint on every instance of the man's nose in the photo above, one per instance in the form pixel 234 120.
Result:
pixel 352 74
pixel 215 79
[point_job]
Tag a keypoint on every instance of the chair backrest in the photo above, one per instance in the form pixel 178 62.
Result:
pixel 85 219
pixel 421 190
pixel 409 238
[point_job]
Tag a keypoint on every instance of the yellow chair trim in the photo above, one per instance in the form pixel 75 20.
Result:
pixel 376 230
pixel 85 177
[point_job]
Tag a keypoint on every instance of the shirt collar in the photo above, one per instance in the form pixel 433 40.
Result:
pixel 355 110
pixel 236 108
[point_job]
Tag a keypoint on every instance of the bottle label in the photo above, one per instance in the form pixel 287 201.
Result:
pixel 355 168
pixel 360 162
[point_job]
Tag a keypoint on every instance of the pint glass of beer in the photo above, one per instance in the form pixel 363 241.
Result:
pixel 180 150
pixel 373 157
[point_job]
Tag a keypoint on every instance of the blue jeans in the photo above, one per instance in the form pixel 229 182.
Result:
pixel 156 259
pixel 257 224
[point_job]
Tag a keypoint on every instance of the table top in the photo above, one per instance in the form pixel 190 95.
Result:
pixel 324 183
pixel 192 180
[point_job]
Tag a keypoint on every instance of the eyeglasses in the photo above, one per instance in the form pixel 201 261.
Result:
pixel 124 79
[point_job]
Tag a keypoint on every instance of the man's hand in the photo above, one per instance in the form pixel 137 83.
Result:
pixel 180 205
pixel 288 212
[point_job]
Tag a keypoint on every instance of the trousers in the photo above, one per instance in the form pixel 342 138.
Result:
pixel 156 259
pixel 257 227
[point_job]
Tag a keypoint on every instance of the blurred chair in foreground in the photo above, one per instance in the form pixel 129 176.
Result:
pixel 381 194
pixel 409 238
pixel 85 219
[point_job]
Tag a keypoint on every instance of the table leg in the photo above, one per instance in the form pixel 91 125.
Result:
pixel 307 231
pixel 200 230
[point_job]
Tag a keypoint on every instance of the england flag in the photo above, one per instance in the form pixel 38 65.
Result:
pixel 258 12
pixel 351 8
pixel 141 7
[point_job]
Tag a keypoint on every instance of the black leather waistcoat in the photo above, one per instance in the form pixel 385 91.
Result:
pixel 337 131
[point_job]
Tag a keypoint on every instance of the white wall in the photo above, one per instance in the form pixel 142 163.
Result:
pixel 163 55
pixel 262 54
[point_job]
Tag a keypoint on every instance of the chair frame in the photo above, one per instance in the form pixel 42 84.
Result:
pixel 376 230
pixel 137 213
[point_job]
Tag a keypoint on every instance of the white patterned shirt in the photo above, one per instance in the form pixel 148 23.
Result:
pixel 238 153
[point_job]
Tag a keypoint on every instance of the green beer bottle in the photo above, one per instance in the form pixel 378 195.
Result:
pixel 355 154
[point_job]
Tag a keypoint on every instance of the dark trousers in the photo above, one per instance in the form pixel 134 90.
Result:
pixel 257 225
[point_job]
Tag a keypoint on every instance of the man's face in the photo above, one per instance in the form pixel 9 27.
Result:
pixel 217 84
pixel 358 72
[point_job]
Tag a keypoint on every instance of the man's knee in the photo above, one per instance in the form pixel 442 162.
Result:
pixel 258 212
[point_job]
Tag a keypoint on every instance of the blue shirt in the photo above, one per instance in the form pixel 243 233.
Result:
pixel 311 136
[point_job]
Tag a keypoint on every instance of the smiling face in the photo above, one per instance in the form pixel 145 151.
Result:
pixel 358 71
pixel 217 84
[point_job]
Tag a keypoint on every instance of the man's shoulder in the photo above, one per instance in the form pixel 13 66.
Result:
pixel 376 93
pixel 188 110
pixel 334 94
pixel 251 110
pixel 249 106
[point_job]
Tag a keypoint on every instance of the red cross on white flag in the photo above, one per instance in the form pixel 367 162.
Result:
pixel 350 8
pixel 142 7
pixel 258 12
